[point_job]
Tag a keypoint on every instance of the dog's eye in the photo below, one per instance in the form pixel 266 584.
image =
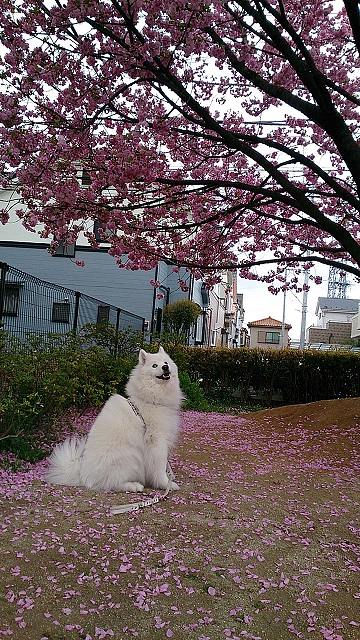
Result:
pixel 154 366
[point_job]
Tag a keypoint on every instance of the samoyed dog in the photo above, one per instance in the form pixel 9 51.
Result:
pixel 128 445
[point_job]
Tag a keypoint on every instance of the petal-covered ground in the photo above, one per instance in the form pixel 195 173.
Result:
pixel 261 542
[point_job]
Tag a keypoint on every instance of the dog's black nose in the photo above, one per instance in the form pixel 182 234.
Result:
pixel 165 368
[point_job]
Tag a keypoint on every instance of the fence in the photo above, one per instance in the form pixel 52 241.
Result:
pixel 32 307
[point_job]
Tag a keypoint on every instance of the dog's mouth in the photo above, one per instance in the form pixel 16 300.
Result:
pixel 164 376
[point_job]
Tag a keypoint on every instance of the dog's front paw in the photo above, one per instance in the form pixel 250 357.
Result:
pixel 133 486
pixel 174 486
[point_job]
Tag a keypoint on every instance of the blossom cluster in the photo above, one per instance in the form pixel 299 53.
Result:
pixel 212 135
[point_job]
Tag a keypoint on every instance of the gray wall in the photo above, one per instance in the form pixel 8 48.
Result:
pixel 99 278
pixel 33 306
pixel 170 279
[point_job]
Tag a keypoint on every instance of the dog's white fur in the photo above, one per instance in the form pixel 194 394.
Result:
pixel 119 454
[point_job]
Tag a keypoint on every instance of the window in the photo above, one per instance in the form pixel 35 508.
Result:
pixel 205 295
pixel 65 250
pixel 11 299
pixel 199 330
pixel 273 337
pixel 158 319
pixel 103 313
pixel 85 178
pixel 269 337
pixel 101 234
pixel 60 312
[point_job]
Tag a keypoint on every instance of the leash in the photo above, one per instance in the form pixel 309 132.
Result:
pixel 136 506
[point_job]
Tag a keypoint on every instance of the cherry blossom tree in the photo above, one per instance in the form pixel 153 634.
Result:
pixel 212 134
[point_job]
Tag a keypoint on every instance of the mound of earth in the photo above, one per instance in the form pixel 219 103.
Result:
pixel 342 412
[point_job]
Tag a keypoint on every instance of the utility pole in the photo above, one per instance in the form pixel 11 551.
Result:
pixel 304 309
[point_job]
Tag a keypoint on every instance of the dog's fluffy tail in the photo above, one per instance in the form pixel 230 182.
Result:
pixel 65 462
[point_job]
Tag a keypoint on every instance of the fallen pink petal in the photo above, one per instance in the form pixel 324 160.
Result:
pixel 80 572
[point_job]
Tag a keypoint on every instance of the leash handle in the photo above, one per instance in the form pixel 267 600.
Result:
pixel 136 506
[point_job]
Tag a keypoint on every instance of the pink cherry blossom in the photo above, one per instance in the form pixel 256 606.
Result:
pixel 212 135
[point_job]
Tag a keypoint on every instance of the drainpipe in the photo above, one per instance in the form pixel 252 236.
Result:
pixel 167 292
pixel 153 305
pixel 283 316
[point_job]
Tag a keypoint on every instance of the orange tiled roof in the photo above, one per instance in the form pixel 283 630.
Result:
pixel 268 322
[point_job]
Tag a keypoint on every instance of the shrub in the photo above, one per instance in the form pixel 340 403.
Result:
pixel 294 376
pixel 179 317
pixel 36 388
pixel 122 342
pixel 194 394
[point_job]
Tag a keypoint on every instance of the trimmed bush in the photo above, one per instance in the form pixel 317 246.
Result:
pixel 179 317
pixel 292 376
pixel 38 387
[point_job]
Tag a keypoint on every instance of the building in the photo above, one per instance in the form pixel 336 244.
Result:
pixel 335 310
pixel 334 333
pixel 267 333
pixel 223 314
pixel 334 325
pixel 355 325
pixel 100 278
pixel 30 307
pixel 220 323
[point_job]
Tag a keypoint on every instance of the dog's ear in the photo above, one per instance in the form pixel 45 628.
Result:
pixel 142 356
pixel 161 350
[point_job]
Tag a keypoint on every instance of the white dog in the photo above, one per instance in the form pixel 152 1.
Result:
pixel 128 445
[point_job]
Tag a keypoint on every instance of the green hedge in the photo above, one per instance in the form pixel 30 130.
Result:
pixel 38 387
pixel 288 376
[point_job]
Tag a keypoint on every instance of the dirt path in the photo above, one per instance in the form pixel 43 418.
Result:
pixel 260 543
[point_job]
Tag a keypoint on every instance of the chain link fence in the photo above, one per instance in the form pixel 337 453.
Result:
pixel 30 306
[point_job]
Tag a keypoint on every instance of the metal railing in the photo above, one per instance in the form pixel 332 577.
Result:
pixel 325 346
pixel 30 306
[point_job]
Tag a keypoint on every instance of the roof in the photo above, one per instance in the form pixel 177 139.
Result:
pixel 268 322
pixel 347 305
